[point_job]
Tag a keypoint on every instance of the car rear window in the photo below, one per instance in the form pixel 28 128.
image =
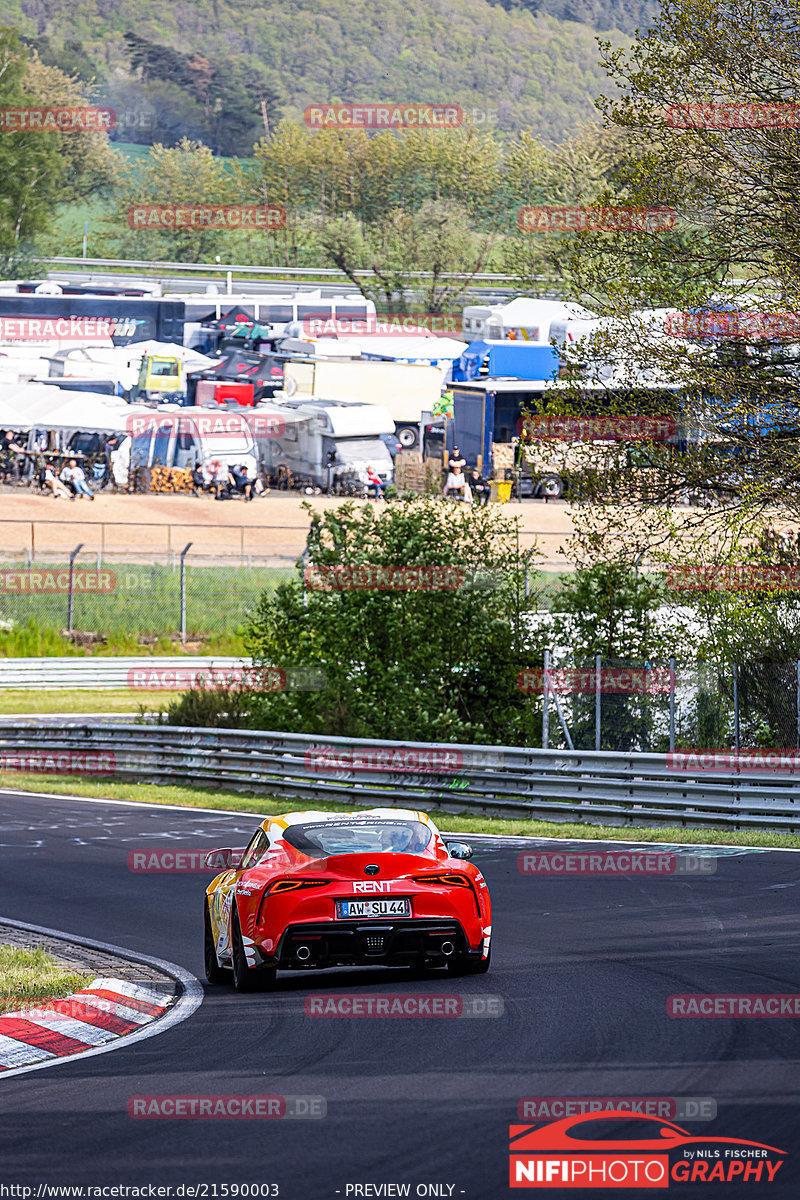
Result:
pixel 321 839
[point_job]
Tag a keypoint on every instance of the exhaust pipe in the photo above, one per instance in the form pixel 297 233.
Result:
pixel 447 949
pixel 303 953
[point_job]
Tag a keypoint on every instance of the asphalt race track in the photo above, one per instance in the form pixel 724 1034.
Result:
pixel 584 968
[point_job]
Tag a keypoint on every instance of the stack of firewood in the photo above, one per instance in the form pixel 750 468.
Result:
pixel 171 479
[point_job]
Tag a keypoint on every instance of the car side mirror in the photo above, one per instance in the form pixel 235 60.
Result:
pixel 223 859
pixel 459 850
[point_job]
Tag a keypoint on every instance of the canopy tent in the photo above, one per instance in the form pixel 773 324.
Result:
pixel 38 407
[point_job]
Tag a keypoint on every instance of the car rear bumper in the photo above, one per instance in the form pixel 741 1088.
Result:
pixel 387 943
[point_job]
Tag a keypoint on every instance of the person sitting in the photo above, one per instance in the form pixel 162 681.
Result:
pixel 219 479
pixel 50 480
pixel 374 481
pixel 75 479
pixel 456 480
pixel 240 481
pixel 201 478
pixel 479 486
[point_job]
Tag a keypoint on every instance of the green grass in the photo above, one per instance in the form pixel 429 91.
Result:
pixel 34 975
pixel 264 806
pixel 15 701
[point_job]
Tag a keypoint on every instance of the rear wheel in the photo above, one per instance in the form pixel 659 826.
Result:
pixel 464 964
pixel 215 974
pixel 245 978
pixel 552 486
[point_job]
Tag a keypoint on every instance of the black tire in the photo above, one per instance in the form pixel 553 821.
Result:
pixel 552 486
pixel 215 974
pixel 465 965
pixel 247 979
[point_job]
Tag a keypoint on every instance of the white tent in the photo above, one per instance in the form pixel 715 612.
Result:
pixel 36 406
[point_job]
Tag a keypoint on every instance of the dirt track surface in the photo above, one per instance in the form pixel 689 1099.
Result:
pixel 270 530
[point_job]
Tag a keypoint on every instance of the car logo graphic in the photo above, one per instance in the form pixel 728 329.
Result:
pixel 580 1151
pixel 372 869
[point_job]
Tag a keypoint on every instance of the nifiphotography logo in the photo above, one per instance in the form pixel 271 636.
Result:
pixel 620 1149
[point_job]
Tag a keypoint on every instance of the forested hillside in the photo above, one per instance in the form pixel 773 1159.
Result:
pixel 210 70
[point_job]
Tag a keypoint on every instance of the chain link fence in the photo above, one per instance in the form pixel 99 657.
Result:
pixel 92 599
pixel 620 705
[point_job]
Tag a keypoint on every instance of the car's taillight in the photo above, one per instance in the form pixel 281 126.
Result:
pixel 450 878
pixel 293 885
pixel 288 885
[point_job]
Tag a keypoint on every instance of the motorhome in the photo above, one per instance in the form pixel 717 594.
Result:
pixel 329 444
pixel 524 320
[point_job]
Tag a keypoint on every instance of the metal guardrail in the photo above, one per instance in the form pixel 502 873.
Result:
pixel 147 672
pixel 594 787
pixel 298 272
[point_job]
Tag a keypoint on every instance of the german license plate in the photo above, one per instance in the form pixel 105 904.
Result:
pixel 346 910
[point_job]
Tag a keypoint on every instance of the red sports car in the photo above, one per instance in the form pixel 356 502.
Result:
pixel 318 889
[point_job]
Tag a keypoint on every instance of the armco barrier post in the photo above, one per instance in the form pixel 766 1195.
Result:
pixel 70 597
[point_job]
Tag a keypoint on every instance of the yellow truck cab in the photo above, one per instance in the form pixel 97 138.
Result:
pixel 160 377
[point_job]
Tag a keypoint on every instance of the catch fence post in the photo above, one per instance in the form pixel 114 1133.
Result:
pixel 71 596
pixel 184 552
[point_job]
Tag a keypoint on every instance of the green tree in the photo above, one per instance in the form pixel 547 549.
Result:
pixel 437 661
pixel 40 170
